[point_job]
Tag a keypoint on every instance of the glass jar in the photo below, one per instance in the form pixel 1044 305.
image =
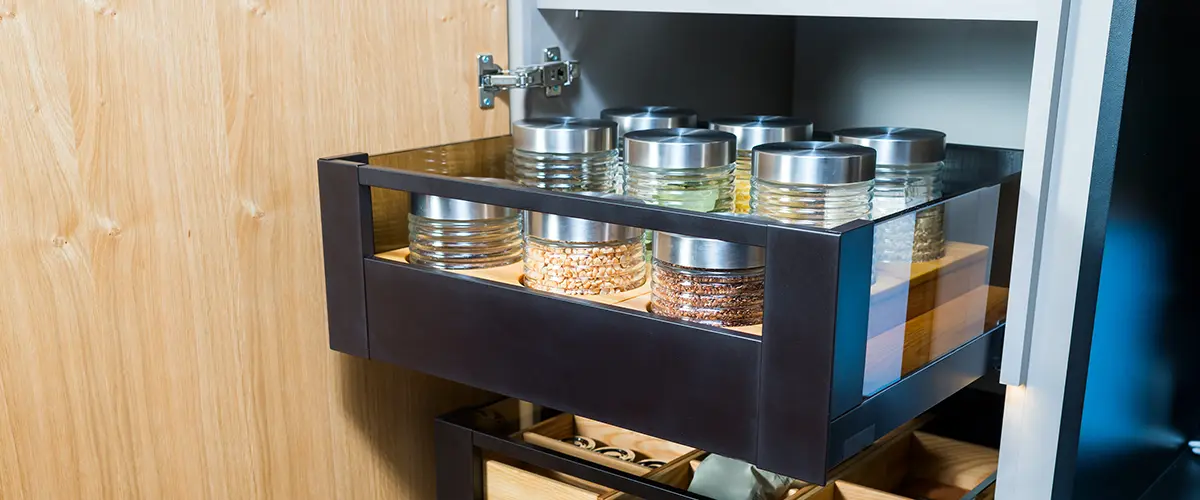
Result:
pixel 565 154
pixel 908 172
pixel 707 281
pixel 753 131
pixel 570 256
pixel 448 233
pixel 824 184
pixel 685 168
pixel 635 118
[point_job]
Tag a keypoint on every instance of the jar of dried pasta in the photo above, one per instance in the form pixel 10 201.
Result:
pixel 635 118
pixel 565 154
pixel 908 172
pixel 756 130
pixel 707 281
pixel 449 233
pixel 823 184
pixel 571 256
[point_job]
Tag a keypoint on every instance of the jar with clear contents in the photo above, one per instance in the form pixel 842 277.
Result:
pixel 685 168
pixel 824 184
pixel 570 256
pixel 565 154
pixel 635 118
pixel 448 233
pixel 908 173
pixel 707 281
pixel 753 131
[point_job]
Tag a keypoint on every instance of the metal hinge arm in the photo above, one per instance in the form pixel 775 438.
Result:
pixel 550 75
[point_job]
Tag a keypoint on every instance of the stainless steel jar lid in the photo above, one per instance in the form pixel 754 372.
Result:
pixel 680 148
pixel 443 208
pixel 564 135
pixel 813 162
pixel 569 229
pixel 755 130
pixel 632 119
pixel 898 145
pixel 705 253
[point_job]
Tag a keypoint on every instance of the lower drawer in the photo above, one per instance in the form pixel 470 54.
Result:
pixel 914 465
pixel 655 459
pixel 506 481
pixel 510 462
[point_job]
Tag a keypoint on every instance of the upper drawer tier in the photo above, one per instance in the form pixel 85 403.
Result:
pixel 852 343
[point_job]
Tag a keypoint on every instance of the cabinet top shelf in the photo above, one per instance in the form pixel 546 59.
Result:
pixel 994 10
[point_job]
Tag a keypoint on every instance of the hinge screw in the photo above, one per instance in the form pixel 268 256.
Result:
pixel 487 102
pixel 487 59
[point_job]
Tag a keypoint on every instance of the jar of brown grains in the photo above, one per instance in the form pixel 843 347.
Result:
pixel 707 281
pixel 572 256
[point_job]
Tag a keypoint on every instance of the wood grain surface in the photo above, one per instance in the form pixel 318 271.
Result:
pixel 952 462
pixel 162 317
pixel 505 482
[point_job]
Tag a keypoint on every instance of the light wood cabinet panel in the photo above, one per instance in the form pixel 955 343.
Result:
pixel 162 317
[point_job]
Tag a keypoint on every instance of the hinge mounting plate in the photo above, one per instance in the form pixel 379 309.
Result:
pixel 551 75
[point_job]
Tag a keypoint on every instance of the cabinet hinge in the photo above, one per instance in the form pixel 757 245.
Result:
pixel 550 75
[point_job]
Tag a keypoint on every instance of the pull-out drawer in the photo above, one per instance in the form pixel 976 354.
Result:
pixel 481 456
pixel 849 349
pixel 916 466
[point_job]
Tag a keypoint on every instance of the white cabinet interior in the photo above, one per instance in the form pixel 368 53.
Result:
pixel 970 79
pixel 996 10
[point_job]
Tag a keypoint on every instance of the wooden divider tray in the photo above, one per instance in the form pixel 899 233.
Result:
pixel 510 481
pixel 912 466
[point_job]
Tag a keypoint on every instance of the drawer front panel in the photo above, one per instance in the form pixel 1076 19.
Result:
pixel 657 376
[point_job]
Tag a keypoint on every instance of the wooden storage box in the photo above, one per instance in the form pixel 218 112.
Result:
pixel 506 481
pixel 913 466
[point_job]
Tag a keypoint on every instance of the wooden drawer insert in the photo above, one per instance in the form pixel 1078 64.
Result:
pixel 916 465
pixel 504 481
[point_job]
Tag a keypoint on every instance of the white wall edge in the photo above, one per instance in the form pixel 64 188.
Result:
pixel 1029 447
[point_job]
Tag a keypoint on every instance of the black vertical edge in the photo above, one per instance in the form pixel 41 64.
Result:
pixel 346 235
pixel 1095 230
pixel 799 331
pixel 853 308
pixel 459 462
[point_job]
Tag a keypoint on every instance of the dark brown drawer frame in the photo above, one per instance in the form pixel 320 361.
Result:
pixel 738 395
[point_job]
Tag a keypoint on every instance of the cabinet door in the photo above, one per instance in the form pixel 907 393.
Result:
pixel 162 317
